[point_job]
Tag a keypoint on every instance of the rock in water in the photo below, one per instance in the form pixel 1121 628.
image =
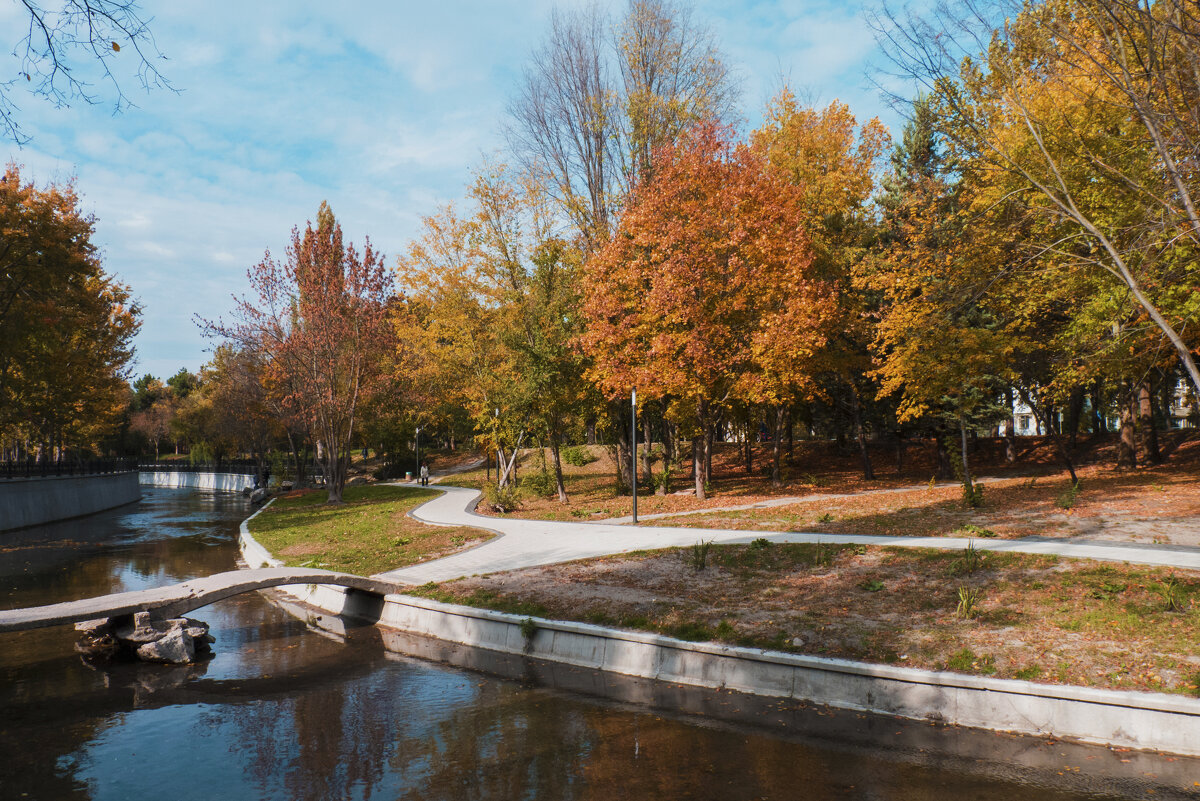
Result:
pixel 258 496
pixel 177 648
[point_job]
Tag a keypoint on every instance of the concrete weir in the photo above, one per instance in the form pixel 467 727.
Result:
pixel 1153 721
pixel 45 499
pixel 217 482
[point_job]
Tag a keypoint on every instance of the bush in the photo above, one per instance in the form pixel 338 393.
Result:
pixel 541 483
pixel 577 455
pixel 502 500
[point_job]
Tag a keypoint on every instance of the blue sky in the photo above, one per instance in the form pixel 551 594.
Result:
pixel 383 112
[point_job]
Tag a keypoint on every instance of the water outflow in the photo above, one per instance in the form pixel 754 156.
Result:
pixel 285 712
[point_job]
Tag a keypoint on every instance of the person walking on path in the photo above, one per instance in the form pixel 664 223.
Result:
pixel 424 475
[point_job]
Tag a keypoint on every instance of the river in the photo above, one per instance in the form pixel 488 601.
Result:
pixel 283 711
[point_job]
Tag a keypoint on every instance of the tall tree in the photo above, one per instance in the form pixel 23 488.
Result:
pixel 704 295
pixel 319 321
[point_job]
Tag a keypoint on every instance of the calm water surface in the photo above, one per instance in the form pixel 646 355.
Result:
pixel 286 712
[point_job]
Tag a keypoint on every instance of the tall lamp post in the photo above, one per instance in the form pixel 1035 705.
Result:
pixel 418 471
pixel 633 450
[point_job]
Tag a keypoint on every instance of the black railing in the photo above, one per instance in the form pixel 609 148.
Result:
pixel 242 467
pixel 78 467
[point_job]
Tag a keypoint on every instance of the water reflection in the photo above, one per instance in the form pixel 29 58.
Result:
pixel 283 712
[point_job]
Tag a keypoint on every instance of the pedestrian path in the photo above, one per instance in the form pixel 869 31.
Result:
pixel 531 543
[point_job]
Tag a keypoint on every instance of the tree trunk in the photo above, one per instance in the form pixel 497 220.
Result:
pixel 899 451
pixel 647 450
pixel 698 465
pixel 1099 427
pixel 558 476
pixel 1146 424
pixel 777 447
pixel 944 470
pixel 791 432
pixel 864 454
pixel 1074 413
pixel 619 412
pixel 748 444
pixel 1127 448
pixel 967 481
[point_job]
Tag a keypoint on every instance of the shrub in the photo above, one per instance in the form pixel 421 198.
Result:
pixel 1174 598
pixel 502 500
pixel 871 585
pixel 760 544
pixel 971 560
pixel 577 455
pixel 1066 500
pixel 699 555
pixel 541 483
pixel 968 600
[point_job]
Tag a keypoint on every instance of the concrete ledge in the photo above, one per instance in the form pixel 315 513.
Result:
pixel 1152 721
pixel 218 482
pixel 34 501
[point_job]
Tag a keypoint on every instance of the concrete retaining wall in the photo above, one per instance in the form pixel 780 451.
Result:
pixel 34 501
pixel 1153 721
pixel 218 482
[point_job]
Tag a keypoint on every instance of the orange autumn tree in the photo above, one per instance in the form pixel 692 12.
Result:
pixel 320 323
pixel 704 295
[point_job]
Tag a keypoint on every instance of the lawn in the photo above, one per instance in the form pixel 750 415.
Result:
pixel 1006 615
pixel 370 533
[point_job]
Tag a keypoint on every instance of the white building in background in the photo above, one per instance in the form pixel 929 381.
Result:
pixel 1182 414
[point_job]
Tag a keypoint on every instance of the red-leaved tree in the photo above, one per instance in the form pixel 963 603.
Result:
pixel 319 320
pixel 705 294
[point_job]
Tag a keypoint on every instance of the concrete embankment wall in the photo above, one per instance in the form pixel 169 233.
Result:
pixel 34 501
pixel 218 482
pixel 1128 719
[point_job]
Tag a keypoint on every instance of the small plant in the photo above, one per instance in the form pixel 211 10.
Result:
pixel 871 585
pixel 971 560
pixel 1193 683
pixel 528 628
pixel 932 481
pixel 968 601
pixel 1066 498
pixel 577 455
pixel 972 494
pixel 1174 597
pixel 313 563
pixel 825 518
pixel 502 500
pixel 699 556
pixel 725 630
pixel 1028 673
pixel 399 542
pixel 760 544
pixel 972 529
pixel 822 555
pixel 813 480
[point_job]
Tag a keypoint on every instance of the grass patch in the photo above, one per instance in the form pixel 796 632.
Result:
pixel 369 533
pixel 1013 615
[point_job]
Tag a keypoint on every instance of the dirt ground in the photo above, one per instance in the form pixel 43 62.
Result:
pixel 1036 618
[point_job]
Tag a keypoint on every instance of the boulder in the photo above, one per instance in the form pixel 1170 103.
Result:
pixel 177 648
pixel 94 628
pixel 259 495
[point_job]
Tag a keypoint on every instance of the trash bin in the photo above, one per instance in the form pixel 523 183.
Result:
pixel 408 475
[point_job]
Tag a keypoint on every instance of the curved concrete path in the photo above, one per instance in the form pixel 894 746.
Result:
pixel 530 543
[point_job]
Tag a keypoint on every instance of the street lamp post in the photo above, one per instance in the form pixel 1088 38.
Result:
pixel 418 471
pixel 633 451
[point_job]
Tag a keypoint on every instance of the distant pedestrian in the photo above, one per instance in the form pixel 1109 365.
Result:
pixel 424 475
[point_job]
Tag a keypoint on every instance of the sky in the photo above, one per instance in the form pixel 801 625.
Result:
pixel 382 112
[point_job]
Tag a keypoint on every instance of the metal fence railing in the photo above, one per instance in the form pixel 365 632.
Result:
pixel 244 467
pixel 77 467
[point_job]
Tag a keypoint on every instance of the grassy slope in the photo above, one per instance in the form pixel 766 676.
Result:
pixel 368 534
pixel 1040 618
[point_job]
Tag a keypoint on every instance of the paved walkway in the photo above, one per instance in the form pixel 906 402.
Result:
pixel 529 543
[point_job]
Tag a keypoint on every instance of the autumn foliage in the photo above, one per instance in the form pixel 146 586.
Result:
pixel 319 320
pixel 704 295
